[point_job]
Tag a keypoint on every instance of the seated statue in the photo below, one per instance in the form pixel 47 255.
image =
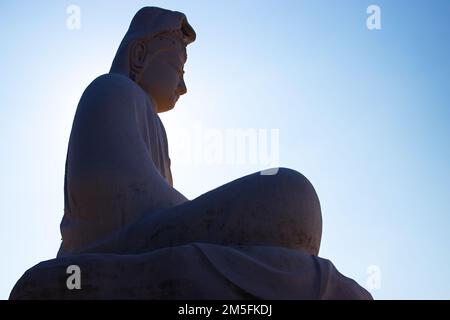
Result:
pixel 261 232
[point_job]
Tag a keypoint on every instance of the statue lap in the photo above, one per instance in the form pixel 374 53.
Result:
pixel 118 196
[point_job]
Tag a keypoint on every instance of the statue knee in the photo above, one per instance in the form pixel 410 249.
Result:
pixel 290 183
pixel 298 207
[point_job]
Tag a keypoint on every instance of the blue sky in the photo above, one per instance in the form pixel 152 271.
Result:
pixel 362 113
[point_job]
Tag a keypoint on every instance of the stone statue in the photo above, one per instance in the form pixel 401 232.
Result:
pixel 255 237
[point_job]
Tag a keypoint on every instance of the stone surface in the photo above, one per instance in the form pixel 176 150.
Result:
pixel 195 271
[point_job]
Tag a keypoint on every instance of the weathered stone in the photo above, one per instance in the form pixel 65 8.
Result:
pixel 195 271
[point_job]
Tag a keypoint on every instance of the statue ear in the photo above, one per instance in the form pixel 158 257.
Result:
pixel 138 57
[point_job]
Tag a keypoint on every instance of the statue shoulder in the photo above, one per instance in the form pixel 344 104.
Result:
pixel 113 84
pixel 112 91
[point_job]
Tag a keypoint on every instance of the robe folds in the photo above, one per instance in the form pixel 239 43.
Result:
pixel 117 165
pixel 193 271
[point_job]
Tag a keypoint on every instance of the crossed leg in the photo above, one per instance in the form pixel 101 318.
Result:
pixel 118 202
pixel 277 210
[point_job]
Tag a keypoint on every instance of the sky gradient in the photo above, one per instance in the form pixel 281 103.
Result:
pixel 363 114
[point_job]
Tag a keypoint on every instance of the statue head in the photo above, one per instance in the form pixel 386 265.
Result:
pixel 153 54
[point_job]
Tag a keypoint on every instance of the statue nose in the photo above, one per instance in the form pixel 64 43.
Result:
pixel 181 88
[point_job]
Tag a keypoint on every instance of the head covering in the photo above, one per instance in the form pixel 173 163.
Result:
pixel 147 23
pixel 150 21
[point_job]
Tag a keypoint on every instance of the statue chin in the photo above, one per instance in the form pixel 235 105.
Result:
pixel 164 105
pixel 166 108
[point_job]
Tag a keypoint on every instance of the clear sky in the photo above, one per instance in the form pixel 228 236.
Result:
pixel 362 113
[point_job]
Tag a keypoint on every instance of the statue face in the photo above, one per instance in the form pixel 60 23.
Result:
pixel 163 79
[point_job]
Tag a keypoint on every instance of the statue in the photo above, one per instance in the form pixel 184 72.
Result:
pixel 255 237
